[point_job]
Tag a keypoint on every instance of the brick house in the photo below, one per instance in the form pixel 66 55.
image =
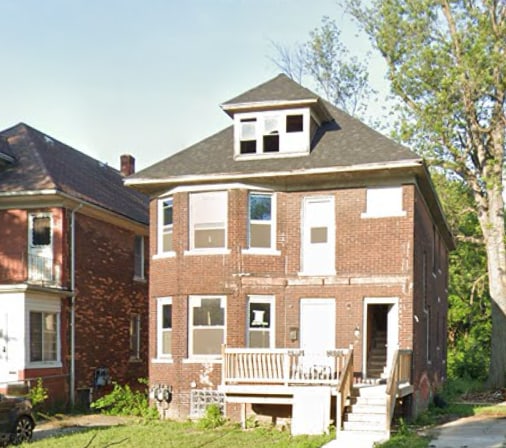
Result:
pixel 295 255
pixel 73 277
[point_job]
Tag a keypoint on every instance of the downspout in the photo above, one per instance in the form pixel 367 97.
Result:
pixel 73 306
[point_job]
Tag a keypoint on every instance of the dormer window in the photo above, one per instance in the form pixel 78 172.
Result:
pixel 272 133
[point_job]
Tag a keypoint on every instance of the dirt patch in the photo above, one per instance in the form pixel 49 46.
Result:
pixel 64 424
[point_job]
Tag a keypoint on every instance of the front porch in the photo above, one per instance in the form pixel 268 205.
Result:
pixel 309 384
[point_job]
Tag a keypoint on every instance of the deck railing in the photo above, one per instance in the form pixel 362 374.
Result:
pixel 21 267
pixel 400 373
pixel 344 388
pixel 281 366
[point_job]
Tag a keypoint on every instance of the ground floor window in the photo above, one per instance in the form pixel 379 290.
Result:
pixel 43 333
pixel 206 325
pixel 260 322
pixel 164 328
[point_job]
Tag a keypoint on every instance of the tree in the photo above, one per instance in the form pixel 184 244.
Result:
pixel 341 78
pixel 447 63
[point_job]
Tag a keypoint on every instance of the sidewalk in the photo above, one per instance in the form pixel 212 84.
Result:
pixel 471 432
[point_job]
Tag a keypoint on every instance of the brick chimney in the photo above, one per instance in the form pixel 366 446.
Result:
pixel 127 165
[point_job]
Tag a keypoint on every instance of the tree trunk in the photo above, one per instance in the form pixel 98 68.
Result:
pixel 492 225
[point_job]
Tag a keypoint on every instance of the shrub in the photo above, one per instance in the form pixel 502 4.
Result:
pixel 212 418
pixel 124 401
pixel 38 393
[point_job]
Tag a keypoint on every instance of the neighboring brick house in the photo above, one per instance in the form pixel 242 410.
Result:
pixel 73 276
pixel 294 232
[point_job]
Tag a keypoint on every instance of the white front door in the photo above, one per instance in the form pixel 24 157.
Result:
pixel 317 331
pixel 392 333
pixel 318 236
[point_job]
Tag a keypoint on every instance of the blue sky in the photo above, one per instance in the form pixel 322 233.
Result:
pixel 145 77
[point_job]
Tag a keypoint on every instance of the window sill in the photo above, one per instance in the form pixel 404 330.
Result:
pixel 207 252
pixel 44 365
pixel 134 360
pixel 213 359
pixel 140 279
pixel 162 360
pixel 261 252
pixel 366 215
pixel 164 255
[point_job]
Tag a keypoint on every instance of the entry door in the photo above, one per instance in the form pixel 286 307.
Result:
pixel 392 333
pixel 40 255
pixel 318 236
pixel 317 330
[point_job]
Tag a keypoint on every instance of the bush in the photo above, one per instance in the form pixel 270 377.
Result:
pixel 124 401
pixel 38 393
pixel 212 418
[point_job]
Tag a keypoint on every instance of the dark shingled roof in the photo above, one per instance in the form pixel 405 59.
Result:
pixel 280 88
pixel 342 142
pixel 42 162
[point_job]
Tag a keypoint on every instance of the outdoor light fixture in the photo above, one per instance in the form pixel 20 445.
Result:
pixel 356 332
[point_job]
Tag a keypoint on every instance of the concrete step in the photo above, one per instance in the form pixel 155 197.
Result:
pixel 366 417
pixel 368 408
pixel 364 426
pixel 356 439
pixel 376 390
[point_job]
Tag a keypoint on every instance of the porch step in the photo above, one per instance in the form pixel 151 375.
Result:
pixel 364 426
pixel 367 411
pixel 357 439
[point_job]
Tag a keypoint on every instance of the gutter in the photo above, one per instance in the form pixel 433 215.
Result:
pixel 73 305
pixel 269 174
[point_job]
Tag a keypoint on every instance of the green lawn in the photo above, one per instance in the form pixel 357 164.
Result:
pixel 171 434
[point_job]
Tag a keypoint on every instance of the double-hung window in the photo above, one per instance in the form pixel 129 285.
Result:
pixel 135 336
pixel 43 333
pixel 260 322
pixel 164 328
pixel 208 220
pixel 261 221
pixel 139 257
pixel 206 326
pixel 165 225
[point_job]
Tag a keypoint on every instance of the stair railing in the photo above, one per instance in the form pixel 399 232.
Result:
pixel 344 387
pixel 400 372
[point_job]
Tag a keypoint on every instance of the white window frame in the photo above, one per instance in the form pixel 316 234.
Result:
pixel 223 224
pixel 44 307
pixel 271 222
pixel 290 143
pixel 139 260
pixel 164 229
pixel 384 202
pixel 33 216
pixel 195 301
pixel 272 329
pixel 160 303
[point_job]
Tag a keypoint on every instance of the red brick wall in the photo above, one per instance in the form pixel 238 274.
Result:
pixel 106 298
pixel 365 248
pixel 430 293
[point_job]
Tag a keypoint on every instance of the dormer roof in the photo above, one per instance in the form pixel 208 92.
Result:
pixel 280 92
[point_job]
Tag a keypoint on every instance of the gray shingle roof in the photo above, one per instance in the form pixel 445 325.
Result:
pixel 342 142
pixel 42 162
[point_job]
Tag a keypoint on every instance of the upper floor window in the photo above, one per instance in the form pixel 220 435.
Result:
pixel 165 225
pixel 208 220
pixel 40 230
pixel 272 132
pixel 382 202
pixel 207 325
pixel 139 257
pixel 164 328
pixel 261 221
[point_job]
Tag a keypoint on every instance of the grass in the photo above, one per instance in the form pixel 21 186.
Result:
pixel 168 434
